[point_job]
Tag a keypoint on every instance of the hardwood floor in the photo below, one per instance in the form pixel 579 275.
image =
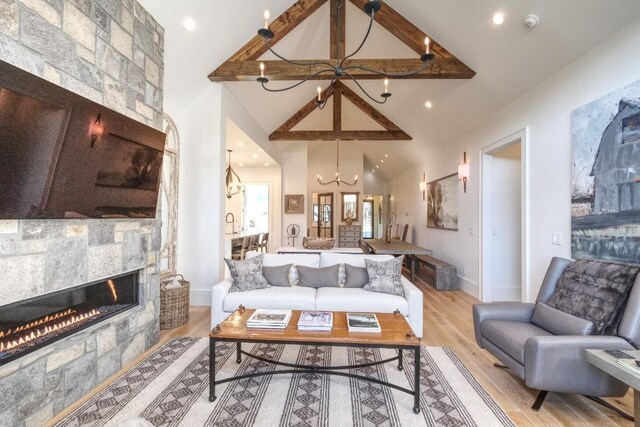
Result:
pixel 448 323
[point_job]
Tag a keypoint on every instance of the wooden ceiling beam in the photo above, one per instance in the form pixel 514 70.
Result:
pixel 366 108
pixel 336 91
pixel 305 111
pixel 337 29
pixel 404 30
pixel 345 135
pixel 281 26
pixel 337 106
pixel 439 68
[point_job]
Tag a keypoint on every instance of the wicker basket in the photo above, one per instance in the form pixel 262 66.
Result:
pixel 174 303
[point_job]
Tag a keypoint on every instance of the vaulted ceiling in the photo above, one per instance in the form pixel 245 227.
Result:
pixel 509 60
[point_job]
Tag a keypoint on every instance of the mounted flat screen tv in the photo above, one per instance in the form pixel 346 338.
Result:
pixel 64 156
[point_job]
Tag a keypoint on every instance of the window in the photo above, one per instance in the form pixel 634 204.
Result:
pixel 630 129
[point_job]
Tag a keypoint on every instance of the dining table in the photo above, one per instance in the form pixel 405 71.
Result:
pixel 398 247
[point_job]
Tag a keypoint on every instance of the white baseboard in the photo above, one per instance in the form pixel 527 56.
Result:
pixel 201 297
pixel 469 287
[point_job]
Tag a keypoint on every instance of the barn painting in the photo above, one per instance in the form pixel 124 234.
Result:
pixel 605 196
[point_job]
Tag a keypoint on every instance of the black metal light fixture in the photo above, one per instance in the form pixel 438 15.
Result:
pixel 337 180
pixel 234 184
pixel 339 70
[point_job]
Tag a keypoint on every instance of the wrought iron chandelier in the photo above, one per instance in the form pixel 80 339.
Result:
pixel 234 185
pixel 337 179
pixel 339 70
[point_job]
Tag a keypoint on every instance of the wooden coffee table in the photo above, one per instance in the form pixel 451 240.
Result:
pixel 396 333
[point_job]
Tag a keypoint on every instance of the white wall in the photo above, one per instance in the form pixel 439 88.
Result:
pixel 200 211
pixel 547 111
pixel 294 181
pixel 505 233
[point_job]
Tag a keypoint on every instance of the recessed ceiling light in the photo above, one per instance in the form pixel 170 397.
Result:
pixel 386 155
pixel 373 170
pixel 240 144
pixel 189 24
pixel 428 104
pixel 498 18
pixel 266 164
pixel 377 167
pixel 381 161
pixel 240 164
pixel 255 156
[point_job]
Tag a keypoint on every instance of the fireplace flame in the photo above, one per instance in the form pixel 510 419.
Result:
pixel 38 332
pixel 112 287
pixel 38 322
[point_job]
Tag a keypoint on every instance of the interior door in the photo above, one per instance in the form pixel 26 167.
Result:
pixel 325 215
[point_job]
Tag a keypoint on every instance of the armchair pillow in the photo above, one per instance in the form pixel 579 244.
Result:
pixel 326 277
pixel 277 276
pixel 596 291
pixel 246 274
pixel 385 276
pixel 558 322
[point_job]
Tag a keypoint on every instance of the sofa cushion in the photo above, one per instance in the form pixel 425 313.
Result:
pixel 511 337
pixel 596 291
pixel 558 322
pixel 355 277
pixel 318 277
pixel 385 276
pixel 277 276
pixel 331 258
pixel 273 260
pixel 291 298
pixel 353 299
pixel 246 274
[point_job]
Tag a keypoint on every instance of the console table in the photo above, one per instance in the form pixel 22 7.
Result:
pixel 445 277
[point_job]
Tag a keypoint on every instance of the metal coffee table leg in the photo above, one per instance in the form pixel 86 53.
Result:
pixel 416 373
pixel 212 369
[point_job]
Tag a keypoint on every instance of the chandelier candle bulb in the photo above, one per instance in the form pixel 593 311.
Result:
pixel 386 85
pixel 266 19
pixel 319 94
pixel 262 70
pixel 426 44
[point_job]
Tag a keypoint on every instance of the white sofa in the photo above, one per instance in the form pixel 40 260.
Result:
pixel 224 303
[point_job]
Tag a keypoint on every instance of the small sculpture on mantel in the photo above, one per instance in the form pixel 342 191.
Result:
pixel 388 216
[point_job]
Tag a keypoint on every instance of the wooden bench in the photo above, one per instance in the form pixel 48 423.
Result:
pixel 442 276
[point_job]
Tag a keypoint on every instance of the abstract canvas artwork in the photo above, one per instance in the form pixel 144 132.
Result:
pixel 605 187
pixel 442 203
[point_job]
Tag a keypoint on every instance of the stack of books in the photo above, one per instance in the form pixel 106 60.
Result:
pixel 363 322
pixel 315 321
pixel 269 319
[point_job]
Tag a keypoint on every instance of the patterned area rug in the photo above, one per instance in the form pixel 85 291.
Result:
pixel 170 388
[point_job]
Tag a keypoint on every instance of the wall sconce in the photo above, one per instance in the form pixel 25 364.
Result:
pixel 423 186
pixel 96 130
pixel 463 172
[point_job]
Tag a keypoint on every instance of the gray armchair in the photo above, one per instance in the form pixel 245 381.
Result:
pixel 547 352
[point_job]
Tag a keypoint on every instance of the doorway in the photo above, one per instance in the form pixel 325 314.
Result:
pixel 504 220
pixel 368 219
pixel 322 222
pixel 255 208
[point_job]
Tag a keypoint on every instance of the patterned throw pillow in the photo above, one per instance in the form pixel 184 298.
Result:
pixel 247 274
pixel 385 276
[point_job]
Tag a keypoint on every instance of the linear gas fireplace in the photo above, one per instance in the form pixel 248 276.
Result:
pixel 34 323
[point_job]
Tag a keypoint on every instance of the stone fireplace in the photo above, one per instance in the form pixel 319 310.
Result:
pixel 112 53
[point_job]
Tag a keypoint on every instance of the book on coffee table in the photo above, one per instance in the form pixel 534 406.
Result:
pixel 315 321
pixel 363 322
pixel 269 319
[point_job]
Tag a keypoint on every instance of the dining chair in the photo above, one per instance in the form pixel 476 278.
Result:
pixel 263 246
pixel 240 254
